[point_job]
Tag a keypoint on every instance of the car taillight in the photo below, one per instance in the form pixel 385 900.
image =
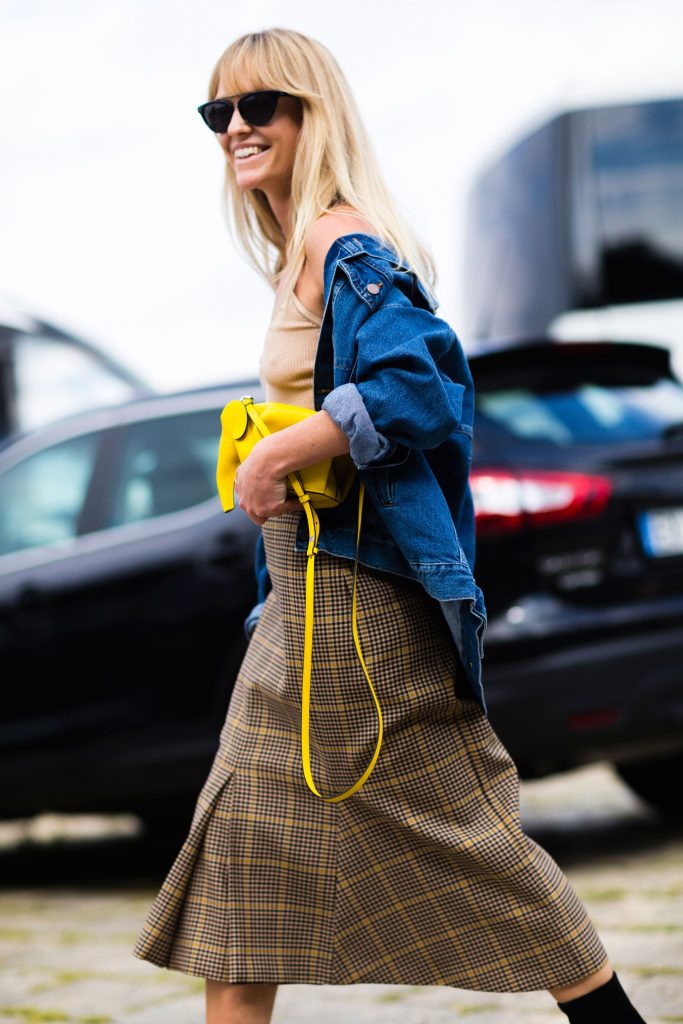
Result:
pixel 505 501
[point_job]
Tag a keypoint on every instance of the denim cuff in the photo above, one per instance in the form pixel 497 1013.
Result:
pixel 346 407
pixel 252 618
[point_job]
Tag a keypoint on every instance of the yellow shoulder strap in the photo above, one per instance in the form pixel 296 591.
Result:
pixel 314 533
pixel 312 550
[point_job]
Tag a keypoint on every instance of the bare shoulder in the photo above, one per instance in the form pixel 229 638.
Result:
pixel 324 231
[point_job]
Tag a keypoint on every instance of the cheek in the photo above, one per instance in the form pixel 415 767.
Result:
pixel 292 142
pixel 223 142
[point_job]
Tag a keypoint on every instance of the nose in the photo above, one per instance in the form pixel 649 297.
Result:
pixel 237 123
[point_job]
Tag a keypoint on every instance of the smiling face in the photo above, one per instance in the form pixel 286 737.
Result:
pixel 270 168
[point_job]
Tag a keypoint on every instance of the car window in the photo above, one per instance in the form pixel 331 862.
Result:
pixel 168 464
pixel 42 497
pixel 587 413
pixel 54 378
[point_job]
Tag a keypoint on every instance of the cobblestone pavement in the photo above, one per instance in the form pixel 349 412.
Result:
pixel 75 892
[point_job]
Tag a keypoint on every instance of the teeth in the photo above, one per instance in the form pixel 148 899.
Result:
pixel 249 151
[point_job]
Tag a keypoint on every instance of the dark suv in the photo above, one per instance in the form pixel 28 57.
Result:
pixel 577 480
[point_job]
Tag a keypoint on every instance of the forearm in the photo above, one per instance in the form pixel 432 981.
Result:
pixel 311 440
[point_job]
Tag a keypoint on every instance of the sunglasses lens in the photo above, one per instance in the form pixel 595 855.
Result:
pixel 258 107
pixel 255 108
pixel 218 115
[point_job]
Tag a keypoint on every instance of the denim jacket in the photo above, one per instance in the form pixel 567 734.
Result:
pixel 393 376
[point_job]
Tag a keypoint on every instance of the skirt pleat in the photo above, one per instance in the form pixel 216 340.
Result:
pixel 425 875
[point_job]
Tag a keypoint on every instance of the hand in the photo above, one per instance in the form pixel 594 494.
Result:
pixel 259 491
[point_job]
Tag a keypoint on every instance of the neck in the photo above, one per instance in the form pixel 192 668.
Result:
pixel 281 205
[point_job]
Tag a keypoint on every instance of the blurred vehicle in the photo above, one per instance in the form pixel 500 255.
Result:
pixel 47 373
pixel 123 585
pixel 123 592
pixel 577 481
pixel 576 229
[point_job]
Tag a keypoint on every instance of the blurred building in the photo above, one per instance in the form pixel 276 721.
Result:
pixel 577 230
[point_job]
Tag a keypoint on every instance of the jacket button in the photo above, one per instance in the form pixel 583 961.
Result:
pixel 374 288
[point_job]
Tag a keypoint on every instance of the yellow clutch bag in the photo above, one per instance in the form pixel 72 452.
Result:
pixel 244 422
pixel 326 484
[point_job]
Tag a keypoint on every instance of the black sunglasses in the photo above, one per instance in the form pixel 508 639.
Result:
pixel 255 108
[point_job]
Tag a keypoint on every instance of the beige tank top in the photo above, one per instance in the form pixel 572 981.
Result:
pixel 288 356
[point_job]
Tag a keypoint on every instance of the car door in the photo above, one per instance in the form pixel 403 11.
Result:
pixel 43 510
pixel 173 576
pixel 122 667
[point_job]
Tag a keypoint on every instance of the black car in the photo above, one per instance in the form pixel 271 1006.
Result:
pixel 577 480
pixel 123 585
pixel 123 591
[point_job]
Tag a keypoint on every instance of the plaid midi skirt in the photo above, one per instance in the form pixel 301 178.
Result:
pixel 424 876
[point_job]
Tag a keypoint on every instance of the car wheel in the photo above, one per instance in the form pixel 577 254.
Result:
pixel 658 782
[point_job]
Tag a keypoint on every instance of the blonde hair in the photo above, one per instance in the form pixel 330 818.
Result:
pixel 334 165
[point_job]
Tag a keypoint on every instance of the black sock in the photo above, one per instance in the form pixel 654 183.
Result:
pixel 607 1003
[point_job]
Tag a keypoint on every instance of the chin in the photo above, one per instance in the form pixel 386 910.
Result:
pixel 247 186
pixel 251 181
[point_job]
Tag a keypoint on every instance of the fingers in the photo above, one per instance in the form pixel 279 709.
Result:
pixel 259 496
pixel 289 505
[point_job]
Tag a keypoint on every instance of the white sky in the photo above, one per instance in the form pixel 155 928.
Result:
pixel 110 213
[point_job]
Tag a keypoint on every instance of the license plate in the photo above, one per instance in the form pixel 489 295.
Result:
pixel 661 531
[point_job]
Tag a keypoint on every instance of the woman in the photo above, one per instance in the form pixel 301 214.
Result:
pixel 424 876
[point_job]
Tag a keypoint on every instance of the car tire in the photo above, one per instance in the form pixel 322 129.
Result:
pixel 657 781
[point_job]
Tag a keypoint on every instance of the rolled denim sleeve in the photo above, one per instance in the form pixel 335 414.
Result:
pixel 367 446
